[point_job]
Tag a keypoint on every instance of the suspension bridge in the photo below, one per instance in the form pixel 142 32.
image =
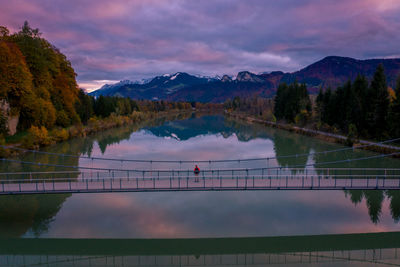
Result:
pixel 85 179
pixel 209 180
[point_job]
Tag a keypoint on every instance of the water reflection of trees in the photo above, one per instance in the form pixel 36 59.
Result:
pixel 19 214
pixel 285 144
pixel 374 200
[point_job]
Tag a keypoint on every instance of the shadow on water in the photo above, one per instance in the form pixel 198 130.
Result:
pixel 29 213
pixel 351 249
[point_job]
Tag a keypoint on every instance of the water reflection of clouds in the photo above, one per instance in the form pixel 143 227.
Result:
pixel 213 214
pixel 113 215
pixel 144 145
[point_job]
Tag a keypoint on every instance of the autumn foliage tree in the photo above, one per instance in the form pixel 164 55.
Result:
pixel 37 80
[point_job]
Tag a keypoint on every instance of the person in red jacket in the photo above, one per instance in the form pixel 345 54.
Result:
pixel 196 173
pixel 196 170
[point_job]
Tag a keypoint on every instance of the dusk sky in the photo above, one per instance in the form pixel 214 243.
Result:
pixel 108 41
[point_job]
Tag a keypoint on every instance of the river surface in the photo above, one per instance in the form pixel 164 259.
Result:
pixel 198 214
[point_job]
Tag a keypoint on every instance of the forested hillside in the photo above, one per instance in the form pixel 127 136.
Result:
pixel 37 81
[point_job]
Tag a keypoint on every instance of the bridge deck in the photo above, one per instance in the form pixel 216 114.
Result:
pixel 108 182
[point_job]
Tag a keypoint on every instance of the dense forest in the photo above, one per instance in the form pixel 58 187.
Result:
pixel 39 92
pixel 368 109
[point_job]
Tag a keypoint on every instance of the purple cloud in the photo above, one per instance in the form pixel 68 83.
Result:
pixel 114 40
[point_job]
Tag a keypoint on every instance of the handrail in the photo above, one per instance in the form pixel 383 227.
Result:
pixel 202 171
pixel 227 177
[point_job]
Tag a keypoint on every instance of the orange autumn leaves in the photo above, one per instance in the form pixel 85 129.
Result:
pixel 37 80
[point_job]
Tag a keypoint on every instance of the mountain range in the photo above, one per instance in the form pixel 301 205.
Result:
pixel 331 71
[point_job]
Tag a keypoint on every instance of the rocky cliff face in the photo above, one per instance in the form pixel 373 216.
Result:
pixel 9 121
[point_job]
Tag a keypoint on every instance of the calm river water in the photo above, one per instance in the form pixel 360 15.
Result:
pixel 198 214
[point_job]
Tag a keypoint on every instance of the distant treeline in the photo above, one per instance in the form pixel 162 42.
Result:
pixel 104 106
pixel 357 109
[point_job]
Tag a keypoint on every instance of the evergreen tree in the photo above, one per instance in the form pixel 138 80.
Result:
pixel 360 88
pixel 84 106
pixel 394 115
pixel 379 104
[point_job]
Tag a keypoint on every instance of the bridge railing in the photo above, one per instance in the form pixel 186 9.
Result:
pixel 205 180
pixel 337 173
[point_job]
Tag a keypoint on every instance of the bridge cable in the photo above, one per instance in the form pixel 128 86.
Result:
pixel 177 171
pixel 197 161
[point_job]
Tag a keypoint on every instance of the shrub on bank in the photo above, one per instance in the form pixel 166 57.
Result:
pixel 60 135
pixel 36 137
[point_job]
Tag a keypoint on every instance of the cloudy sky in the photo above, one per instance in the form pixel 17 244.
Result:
pixel 111 40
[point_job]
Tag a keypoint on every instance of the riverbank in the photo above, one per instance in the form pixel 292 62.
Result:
pixel 40 137
pixel 325 136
